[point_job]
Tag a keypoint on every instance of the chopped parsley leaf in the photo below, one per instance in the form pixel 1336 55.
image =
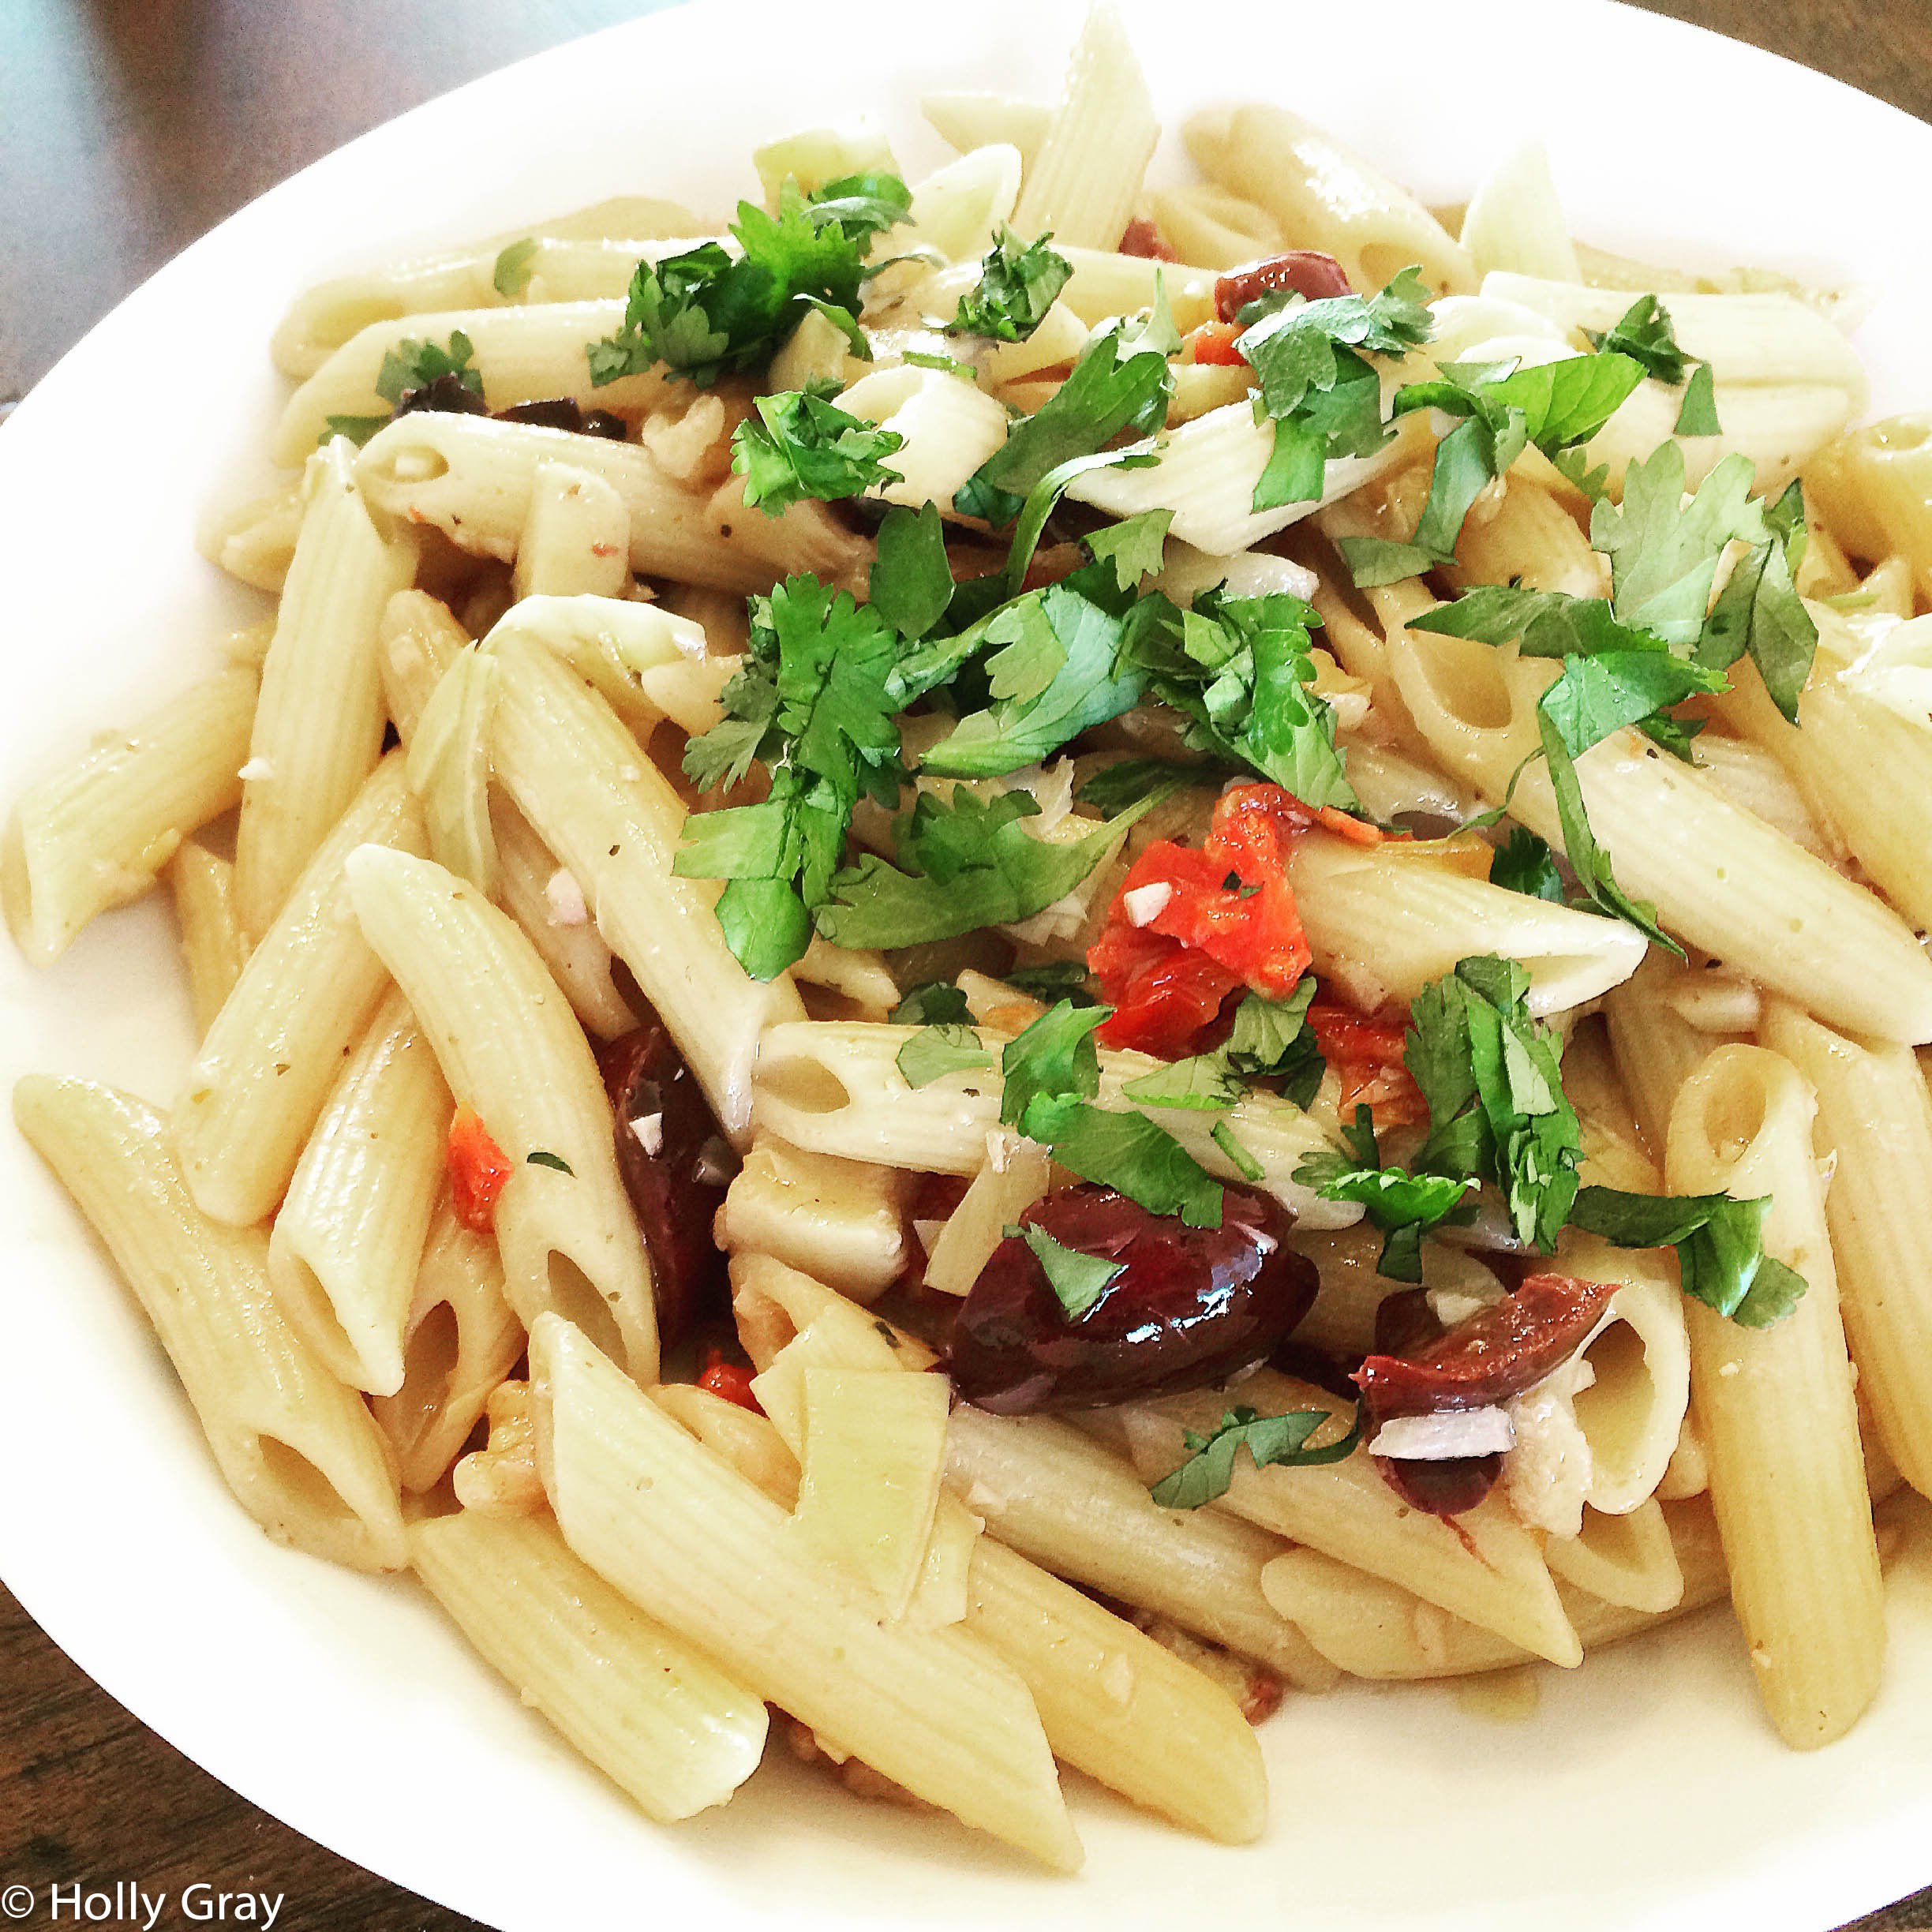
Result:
pixel 1078 1280
pixel 1282 1439
pixel 934 1051
pixel 510 276
pixel 801 444
pixel 1018 283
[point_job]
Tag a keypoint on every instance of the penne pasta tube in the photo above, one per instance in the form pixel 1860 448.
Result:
pixel 1855 717
pixel 703 1551
pixel 1373 1628
pixel 1514 220
pixel 1063 1500
pixel 472 478
pixel 1486 1568
pixel 1627 1560
pixel 1384 923
pixel 1776 1410
pixel 349 1235
pixel 463 1340
pixel 555 265
pixel 546 901
pixel 1768 338
pixel 968 121
pixel 416 641
pixel 254 541
pixel 1082 182
pixel 577 775
pixel 1206 474
pixel 1655 1048
pixel 511 1051
pixel 1874 488
pixel 298 1449
pixel 213 949
pixel 834 1087
pixel 1874 1125
pixel 1206 224
pixel 318 726
pixel 1106 283
pixel 647 663
pixel 96 834
pixel 1322 196
pixel 271 1055
pixel 1780 915
pixel 576 539
pixel 838 1220
pixel 522 355
pixel 1114 1702
pixel 652 1714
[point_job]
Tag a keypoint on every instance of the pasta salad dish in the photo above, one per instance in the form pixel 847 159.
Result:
pixel 992 969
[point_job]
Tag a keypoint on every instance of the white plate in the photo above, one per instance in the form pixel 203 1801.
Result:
pixel 1647 1791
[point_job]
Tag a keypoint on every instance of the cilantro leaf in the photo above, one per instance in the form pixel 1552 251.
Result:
pixel 1018 283
pixel 1282 1439
pixel 1601 694
pixel 1202 1081
pixel 815 688
pixel 1053 1059
pixel 1057 675
pixel 1719 1241
pixel 911 581
pixel 1698 416
pixel 1052 1072
pixel 1404 1206
pixel 1587 859
pixel 1134 547
pixel 1325 399
pixel 1132 780
pixel 1272 1039
pixel 1242 671
pixel 1543 623
pixel 970 865
pixel 510 276
pixel 1488 1072
pixel 706 312
pixel 542 1157
pixel 1244 1163
pixel 936 1003
pixel 1052 980
pixel 1078 1280
pixel 934 1051
pixel 358 429
pixel 1552 405
pixel 1115 384
pixel 415 364
pixel 1128 1153
pixel 802 445
pixel 1759 610
pixel 1523 864
pixel 1664 551
pixel 1645 335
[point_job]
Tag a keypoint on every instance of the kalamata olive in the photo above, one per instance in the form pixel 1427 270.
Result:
pixel 566 412
pixel 1497 1353
pixel 446 395
pixel 1306 271
pixel 676 1163
pixel 1189 1307
pixel 1446 1488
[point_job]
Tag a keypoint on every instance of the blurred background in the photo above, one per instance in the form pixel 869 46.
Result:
pixel 127 129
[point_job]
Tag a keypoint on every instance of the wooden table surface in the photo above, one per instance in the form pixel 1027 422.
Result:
pixel 127 128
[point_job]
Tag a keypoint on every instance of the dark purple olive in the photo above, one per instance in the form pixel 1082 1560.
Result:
pixel 446 395
pixel 676 1164
pixel 566 412
pixel 1189 1307
pixel 1446 1487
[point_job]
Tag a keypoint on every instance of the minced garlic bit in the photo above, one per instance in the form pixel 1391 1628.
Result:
pixel 565 898
pixel 1145 904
